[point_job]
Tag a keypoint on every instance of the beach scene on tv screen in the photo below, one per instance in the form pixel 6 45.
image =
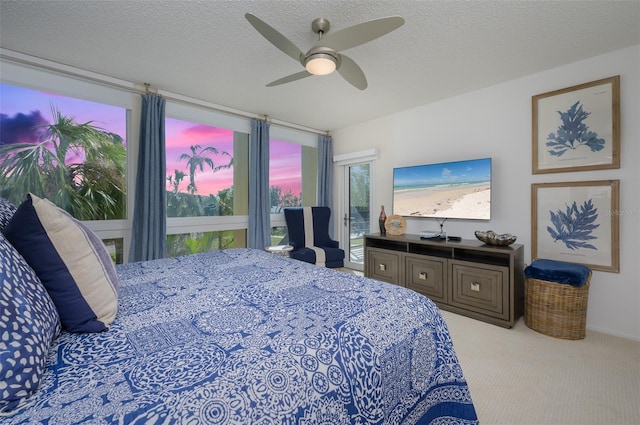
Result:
pixel 459 189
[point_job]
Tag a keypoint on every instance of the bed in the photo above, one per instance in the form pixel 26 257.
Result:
pixel 242 336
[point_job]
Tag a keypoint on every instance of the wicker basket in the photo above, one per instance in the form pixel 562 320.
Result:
pixel 556 309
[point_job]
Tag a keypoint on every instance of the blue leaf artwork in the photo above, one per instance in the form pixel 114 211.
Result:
pixel 574 225
pixel 573 133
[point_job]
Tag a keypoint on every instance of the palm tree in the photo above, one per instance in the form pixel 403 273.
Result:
pixel 197 160
pixel 176 179
pixel 79 167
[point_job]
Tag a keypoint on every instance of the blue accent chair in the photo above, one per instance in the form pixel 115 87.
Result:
pixel 320 239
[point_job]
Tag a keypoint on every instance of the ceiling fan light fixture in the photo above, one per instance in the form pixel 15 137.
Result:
pixel 321 64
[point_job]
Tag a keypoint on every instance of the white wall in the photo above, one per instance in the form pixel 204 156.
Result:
pixel 496 122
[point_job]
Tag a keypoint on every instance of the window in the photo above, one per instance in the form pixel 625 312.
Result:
pixel 293 170
pixel 287 187
pixel 68 150
pixel 203 163
pixel 285 175
pixel 293 174
pixel 207 179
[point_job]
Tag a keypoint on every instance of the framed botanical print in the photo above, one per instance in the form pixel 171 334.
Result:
pixel 577 128
pixel 577 222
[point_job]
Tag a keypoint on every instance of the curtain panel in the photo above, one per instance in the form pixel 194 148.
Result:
pixel 325 175
pixel 259 234
pixel 149 232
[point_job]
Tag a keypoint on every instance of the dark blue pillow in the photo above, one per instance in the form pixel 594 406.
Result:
pixel 70 260
pixel 28 323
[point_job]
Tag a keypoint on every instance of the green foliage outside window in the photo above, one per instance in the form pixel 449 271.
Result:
pixel 79 167
pixel 194 243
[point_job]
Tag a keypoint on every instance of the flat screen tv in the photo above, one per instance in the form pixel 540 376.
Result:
pixel 460 190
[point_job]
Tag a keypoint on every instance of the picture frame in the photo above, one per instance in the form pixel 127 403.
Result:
pixel 577 222
pixel 577 128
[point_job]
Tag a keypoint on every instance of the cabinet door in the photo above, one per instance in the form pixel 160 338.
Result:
pixel 383 265
pixel 426 275
pixel 482 288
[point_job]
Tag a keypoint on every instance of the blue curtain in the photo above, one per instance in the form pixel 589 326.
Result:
pixel 259 203
pixel 148 236
pixel 325 171
pixel 325 175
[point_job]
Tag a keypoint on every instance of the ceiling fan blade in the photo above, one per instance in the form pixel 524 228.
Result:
pixel 351 72
pixel 361 33
pixel 277 39
pixel 289 78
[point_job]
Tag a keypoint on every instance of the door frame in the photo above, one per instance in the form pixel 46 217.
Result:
pixel 342 164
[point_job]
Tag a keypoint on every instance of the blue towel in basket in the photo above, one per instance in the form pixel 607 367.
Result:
pixel 558 271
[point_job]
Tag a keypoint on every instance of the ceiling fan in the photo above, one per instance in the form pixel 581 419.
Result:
pixel 323 58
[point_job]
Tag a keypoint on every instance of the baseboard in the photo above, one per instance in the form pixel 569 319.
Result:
pixel 615 334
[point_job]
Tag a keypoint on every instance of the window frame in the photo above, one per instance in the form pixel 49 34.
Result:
pixel 204 116
pixel 77 87
pixel 302 138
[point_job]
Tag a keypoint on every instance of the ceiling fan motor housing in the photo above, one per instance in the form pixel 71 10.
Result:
pixel 321 53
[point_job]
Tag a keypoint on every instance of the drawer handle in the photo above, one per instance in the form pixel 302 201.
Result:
pixel 382 267
pixel 422 276
pixel 475 286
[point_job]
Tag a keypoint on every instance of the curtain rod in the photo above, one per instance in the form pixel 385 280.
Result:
pixel 225 109
pixel 129 86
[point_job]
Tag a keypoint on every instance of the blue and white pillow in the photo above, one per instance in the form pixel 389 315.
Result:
pixel 7 209
pixel 70 260
pixel 28 324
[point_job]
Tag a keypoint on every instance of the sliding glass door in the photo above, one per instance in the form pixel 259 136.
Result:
pixel 356 215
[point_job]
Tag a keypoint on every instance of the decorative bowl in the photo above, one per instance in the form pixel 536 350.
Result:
pixel 492 238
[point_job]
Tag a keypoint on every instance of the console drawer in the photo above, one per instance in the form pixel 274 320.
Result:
pixel 480 288
pixel 426 275
pixel 383 265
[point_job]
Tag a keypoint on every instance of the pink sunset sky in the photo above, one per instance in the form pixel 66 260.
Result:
pixel 285 163
pixel 285 158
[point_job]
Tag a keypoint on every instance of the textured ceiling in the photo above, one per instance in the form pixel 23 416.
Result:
pixel 207 50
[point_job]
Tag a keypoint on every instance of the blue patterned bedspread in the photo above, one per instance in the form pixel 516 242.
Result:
pixel 246 337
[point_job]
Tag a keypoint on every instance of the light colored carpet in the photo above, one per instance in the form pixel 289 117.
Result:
pixel 519 376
